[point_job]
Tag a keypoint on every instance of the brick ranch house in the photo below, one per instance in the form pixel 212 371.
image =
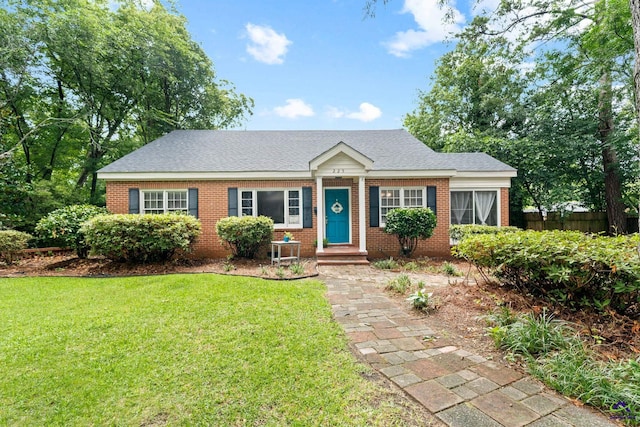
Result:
pixel 337 185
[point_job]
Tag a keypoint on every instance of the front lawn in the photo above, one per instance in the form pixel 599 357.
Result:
pixel 179 349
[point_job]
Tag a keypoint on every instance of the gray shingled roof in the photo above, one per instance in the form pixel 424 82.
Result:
pixel 252 151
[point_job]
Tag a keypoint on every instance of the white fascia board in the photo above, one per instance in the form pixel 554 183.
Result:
pixel 424 173
pixel 487 174
pixel 479 182
pixel 183 176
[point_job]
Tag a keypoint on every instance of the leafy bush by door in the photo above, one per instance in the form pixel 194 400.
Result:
pixel 409 225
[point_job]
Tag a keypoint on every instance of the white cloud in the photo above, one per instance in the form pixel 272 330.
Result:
pixel 294 108
pixel 335 113
pixel 266 45
pixel 435 24
pixel 367 113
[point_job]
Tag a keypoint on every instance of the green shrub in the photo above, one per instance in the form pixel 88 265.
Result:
pixel 531 335
pixel 421 299
pixel 563 267
pixel 386 264
pixel 610 385
pixel 459 232
pixel 12 241
pixel 245 236
pixel 557 356
pixel 297 269
pixel 449 269
pixel 410 266
pixel 141 238
pixel 325 243
pixel 62 227
pixel 409 225
pixel 400 284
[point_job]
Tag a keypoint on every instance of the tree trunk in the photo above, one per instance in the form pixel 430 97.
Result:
pixel 612 186
pixel 635 23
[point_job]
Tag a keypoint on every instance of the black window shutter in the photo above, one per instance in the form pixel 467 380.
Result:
pixel 134 200
pixel 431 198
pixel 193 202
pixel 307 208
pixel 233 201
pixel 374 206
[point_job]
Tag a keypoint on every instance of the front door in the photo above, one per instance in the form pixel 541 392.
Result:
pixel 336 208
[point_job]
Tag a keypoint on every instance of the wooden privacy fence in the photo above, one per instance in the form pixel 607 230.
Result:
pixel 588 222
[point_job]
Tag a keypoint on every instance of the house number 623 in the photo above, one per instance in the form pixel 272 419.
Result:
pixel 337 170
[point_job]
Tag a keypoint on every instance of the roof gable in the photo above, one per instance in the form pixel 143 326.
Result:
pixel 341 150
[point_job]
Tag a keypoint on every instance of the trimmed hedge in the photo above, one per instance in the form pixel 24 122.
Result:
pixel 246 235
pixel 458 232
pixel 12 241
pixel 563 267
pixel 62 227
pixel 409 225
pixel 141 238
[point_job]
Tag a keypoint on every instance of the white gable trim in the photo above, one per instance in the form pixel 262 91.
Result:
pixel 341 148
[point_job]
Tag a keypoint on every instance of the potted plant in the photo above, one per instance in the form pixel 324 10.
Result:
pixel 287 236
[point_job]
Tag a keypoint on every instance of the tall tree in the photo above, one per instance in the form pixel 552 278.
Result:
pixel 90 80
pixel 599 35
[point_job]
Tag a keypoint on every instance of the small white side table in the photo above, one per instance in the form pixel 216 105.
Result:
pixel 276 251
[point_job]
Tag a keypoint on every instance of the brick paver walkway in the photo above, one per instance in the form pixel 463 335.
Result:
pixel 461 388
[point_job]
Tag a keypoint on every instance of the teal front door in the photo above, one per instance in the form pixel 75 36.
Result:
pixel 336 208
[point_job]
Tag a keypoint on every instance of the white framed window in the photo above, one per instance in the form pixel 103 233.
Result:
pixel 282 205
pixel 474 207
pixel 164 201
pixel 400 197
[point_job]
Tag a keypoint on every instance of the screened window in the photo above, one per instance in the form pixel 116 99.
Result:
pixel 474 207
pixel 283 206
pixel 392 198
pixel 164 201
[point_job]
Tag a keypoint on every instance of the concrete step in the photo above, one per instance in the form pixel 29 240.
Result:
pixel 342 255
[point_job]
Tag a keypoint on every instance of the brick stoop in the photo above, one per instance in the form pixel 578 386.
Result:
pixel 342 255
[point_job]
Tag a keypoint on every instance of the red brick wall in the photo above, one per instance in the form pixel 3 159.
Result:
pixel 504 207
pixel 382 245
pixel 213 205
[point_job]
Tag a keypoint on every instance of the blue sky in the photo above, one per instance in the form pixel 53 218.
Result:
pixel 321 64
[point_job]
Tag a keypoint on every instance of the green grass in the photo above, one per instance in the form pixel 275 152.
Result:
pixel 180 350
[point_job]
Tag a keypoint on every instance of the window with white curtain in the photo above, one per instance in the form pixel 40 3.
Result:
pixel 474 207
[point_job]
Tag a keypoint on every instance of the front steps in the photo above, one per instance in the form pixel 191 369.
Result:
pixel 342 255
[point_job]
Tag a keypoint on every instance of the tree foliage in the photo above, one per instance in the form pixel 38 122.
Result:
pixel 83 82
pixel 534 87
pixel 62 227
